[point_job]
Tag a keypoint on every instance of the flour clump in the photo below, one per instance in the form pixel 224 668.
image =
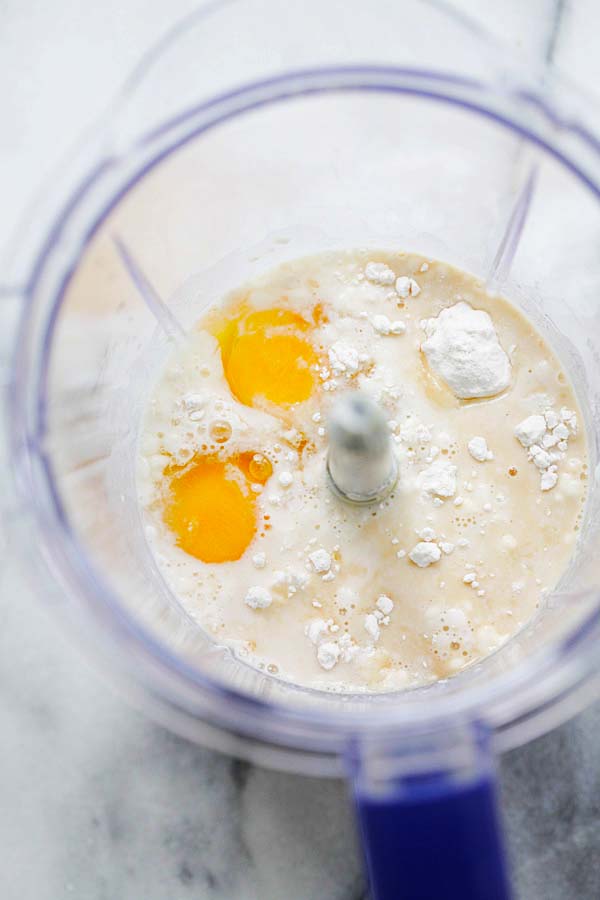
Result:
pixel 328 654
pixel 258 598
pixel 462 347
pixel 439 479
pixel 479 449
pixel 379 273
pixel 425 554
pixel 531 430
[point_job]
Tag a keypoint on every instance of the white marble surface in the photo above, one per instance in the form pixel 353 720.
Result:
pixel 99 803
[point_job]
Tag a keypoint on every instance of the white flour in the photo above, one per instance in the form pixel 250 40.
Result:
pixel 439 479
pixel 424 554
pixel 546 437
pixel 479 449
pixel 462 347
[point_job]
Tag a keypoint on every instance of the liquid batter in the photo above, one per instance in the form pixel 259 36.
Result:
pixel 492 472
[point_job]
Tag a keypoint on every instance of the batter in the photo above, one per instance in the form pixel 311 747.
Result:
pixel 481 524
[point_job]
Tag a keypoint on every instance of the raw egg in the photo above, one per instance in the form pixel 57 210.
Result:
pixel 268 360
pixel 267 355
pixel 211 508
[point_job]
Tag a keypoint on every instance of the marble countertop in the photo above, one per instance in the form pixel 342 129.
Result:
pixel 98 802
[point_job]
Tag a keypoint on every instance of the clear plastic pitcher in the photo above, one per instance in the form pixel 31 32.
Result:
pixel 254 133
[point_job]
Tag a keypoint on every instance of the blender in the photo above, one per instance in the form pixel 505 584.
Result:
pixel 250 135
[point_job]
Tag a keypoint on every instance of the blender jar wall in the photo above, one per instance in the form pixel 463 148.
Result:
pixel 284 154
pixel 264 171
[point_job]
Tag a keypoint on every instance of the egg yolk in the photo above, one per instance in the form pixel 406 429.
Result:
pixel 267 359
pixel 267 356
pixel 211 508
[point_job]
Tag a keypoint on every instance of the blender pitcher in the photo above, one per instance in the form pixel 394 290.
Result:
pixel 252 134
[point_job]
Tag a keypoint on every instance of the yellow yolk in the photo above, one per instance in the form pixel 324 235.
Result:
pixel 211 509
pixel 267 356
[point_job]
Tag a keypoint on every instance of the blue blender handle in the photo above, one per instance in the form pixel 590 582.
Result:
pixel 431 834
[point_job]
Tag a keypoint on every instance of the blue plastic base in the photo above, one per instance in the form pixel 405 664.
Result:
pixel 434 838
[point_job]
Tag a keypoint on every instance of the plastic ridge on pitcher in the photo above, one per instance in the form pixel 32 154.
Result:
pixel 147 292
